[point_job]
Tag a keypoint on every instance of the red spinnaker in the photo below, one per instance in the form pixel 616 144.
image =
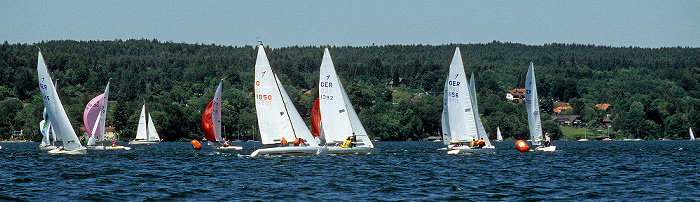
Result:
pixel 207 125
pixel 315 120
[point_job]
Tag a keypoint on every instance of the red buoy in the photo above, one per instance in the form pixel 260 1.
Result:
pixel 522 146
pixel 195 145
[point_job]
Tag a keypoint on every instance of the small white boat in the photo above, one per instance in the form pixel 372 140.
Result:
pixel 471 150
pixel 146 132
pixel 533 112
pixel 499 138
pixel 211 123
pixel 461 123
pixel 278 119
pixel 692 137
pixel 94 117
pixel 338 115
pixel 291 151
pixel 56 113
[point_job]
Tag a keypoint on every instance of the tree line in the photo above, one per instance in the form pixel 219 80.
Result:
pixel 653 91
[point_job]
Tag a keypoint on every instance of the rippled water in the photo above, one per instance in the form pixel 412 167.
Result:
pixel 645 170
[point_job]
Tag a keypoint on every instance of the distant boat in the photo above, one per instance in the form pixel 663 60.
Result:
pixel 338 114
pixel 278 119
pixel 94 117
pixel 56 114
pixel 692 137
pixel 533 111
pixel 211 122
pixel 498 134
pixel 146 132
pixel 460 118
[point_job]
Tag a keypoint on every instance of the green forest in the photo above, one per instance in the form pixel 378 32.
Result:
pixel 653 91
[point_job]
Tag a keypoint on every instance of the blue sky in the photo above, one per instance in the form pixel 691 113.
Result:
pixel 356 23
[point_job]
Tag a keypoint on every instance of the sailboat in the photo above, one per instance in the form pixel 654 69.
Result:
pixel 533 111
pixel 692 137
pixel 211 122
pixel 498 134
pixel 278 119
pixel 460 118
pixel 146 132
pixel 94 117
pixel 338 114
pixel 56 114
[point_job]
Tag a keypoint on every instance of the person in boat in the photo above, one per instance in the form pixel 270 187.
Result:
pixel 347 143
pixel 547 140
pixel 474 143
pixel 225 144
pixel 284 142
pixel 354 140
pixel 299 141
pixel 114 144
pixel 480 143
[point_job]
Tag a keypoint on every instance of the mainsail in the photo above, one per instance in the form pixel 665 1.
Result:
pixel 498 134
pixel 533 107
pixel 142 131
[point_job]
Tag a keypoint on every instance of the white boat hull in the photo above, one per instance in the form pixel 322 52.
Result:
pixel 546 149
pixel 47 148
pixel 143 142
pixel 290 151
pixel 470 150
pixel 353 150
pixel 228 147
pixel 108 148
pixel 81 150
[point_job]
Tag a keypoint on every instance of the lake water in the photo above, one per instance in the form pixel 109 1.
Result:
pixel 618 170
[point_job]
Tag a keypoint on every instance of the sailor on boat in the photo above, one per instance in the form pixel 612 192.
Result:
pixel 347 143
pixel 547 140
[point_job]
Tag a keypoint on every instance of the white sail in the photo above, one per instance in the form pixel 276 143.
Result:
pixel 103 113
pixel 277 116
pixel 44 129
pixel 692 137
pixel 462 127
pixel 57 115
pixel 533 107
pixel 335 106
pixel 446 139
pixel 152 133
pixel 479 126
pixel 216 112
pixel 498 134
pixel 142 131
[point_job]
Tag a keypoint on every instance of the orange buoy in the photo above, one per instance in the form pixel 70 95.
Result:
pixel 195 145
pixel 522 146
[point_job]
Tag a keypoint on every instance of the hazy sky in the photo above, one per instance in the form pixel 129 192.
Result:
pixel 356 22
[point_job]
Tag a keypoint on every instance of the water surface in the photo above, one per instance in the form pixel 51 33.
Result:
pixel 618 170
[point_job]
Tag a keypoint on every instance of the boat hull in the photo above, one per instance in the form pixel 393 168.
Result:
pixel 47 148
pixel 108 148
pixel 290 151
pixel 81 150
pixel 228 148
pixel 353 150
pixel 143 142
pixel 546 149
pixel 470 150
